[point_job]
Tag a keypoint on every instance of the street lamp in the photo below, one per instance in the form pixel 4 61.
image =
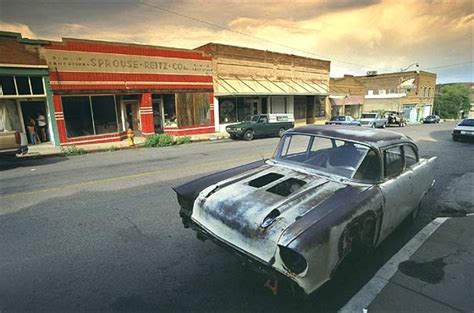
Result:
pixel 406 68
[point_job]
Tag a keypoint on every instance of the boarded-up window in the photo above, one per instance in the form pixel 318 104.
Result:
pixel 193 109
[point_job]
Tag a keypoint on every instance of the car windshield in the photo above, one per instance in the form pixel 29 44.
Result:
pixel 252 118
pixel 368 115
pixel 337 118
pixel 467 122
pixel 331 156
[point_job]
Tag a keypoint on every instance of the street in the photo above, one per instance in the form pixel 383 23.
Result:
pixel 101 232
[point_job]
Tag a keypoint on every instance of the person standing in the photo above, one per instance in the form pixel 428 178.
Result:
pixel 42 126
pixel 31 128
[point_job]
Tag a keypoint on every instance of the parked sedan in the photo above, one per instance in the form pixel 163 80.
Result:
pixel 328 192
pixel 342 120
pixel 431 119
pixel 464 130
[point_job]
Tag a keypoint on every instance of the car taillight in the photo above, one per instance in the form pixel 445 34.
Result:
pixel 293 261
pixel 18 138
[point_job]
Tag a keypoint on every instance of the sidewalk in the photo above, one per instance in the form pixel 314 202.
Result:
pixel 47 149
pixel 433 272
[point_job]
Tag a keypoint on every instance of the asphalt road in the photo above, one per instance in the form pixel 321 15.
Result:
pixel 101 232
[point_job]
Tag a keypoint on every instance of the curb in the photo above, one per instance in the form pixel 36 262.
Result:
pixel 362 299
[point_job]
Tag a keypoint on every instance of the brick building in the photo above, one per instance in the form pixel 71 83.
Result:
pixel 346 96
pixel 100 89
pixel 24 88
pixel 409 92
pixel 250 81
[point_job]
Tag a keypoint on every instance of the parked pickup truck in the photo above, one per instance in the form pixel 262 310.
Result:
pixel 262 125
pixel 373 120
pixel 11 143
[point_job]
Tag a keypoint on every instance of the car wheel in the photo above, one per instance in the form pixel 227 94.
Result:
pixel 373 125
pixel 384 125
pixel 281 132
pixel 248 135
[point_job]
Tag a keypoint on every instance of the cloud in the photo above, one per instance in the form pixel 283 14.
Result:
pixel 18 28
pixel 383 35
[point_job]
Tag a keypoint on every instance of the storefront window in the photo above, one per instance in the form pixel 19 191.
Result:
pixel 37 85
pixel 85 115
pixel 22 85
pixel 319 107
pixel 9 119
pixel 227 110
pixel 300 107
pixel 105 118
pixel 7 86
pixel 77 116
pixel 193 109
pixel 169 108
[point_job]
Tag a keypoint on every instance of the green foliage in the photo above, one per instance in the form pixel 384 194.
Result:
pixel 183 140
pixel 452 99
pixel 72 150
pixel 165 140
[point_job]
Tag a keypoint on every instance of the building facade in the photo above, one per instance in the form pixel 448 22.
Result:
pixel 101 89
pixel 409 92
pixel 249 81
pixel 25 95
pixel 346 96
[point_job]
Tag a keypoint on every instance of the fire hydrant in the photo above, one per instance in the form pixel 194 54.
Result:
pixel 130 136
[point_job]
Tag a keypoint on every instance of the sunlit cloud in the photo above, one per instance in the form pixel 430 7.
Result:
pixel 356 36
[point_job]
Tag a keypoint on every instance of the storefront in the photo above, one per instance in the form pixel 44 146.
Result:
pixel 249 81
pixel 25 99
pixel 102 89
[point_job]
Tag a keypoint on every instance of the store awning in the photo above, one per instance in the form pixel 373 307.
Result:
pixel 234 86
pixel 336 100
pixel 354 100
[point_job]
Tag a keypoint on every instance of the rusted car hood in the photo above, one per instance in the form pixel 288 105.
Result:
pixel 239 210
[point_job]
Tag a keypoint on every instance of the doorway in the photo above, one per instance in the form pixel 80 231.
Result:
pixel 36 111
pixel 132 116
pixel 158 115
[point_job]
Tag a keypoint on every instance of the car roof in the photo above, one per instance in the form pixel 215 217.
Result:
pixel 373 137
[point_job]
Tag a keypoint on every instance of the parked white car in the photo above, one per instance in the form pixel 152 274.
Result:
pixel 373 120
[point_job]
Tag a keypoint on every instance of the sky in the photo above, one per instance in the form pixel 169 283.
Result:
pixel 356 36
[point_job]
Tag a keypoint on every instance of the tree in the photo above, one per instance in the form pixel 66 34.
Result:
pixel 452 99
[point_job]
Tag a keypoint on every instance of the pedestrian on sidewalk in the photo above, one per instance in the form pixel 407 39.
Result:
pixel 31 128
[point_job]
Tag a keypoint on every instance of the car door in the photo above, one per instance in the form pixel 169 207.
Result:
pixel 396 189
pixel 422 174
pixel 261 126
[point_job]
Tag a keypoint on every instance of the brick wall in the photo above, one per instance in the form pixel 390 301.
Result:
pixel 14 52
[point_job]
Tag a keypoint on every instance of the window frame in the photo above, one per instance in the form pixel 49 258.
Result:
pixel 402 148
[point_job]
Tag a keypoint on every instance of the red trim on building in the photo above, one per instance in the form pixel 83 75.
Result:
pixel 130 77
pixel 88 46
pixel 127 86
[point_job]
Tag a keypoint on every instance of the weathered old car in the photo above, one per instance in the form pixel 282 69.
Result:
pixel 326 193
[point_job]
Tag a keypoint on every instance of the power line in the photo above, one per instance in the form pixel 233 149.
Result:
pixel 246 34
pixel 448 65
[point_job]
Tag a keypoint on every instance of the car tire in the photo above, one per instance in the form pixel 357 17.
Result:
pixel 281 131
pixel 384 125
pixel 248 135
pixel 373 125
pixel 455 138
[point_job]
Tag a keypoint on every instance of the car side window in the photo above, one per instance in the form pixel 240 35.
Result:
pixel 393 160
pixel 263 119
pixel 369 169
pixel 411 156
